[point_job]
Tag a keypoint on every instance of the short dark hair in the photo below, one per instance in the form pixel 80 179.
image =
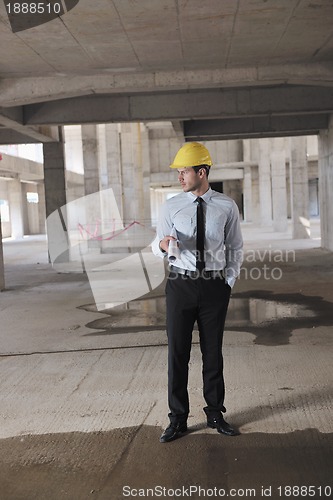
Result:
pixel 199 167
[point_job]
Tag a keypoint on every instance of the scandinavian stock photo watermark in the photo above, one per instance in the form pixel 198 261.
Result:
pixel 265 263
pixel 257 264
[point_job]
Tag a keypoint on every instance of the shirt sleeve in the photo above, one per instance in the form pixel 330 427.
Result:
pixel 164 228
pixel 233 246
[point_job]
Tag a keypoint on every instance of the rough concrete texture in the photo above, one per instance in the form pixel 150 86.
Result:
pixel 83 393
pixel 150 44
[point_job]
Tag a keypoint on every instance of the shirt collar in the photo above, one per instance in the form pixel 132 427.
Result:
pixel 206 197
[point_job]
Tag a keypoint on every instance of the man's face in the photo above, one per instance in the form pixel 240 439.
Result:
pixel 189 179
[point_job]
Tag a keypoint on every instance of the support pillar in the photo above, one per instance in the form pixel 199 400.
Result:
pixel 90 158
pixel 113 164
pixel 247 189
pixel 2 268
pixel 299 188
pixel 132 172
pixel 144 158
pixel 325 160
pixel 41 207
pixel 16 208
pixel 54 176
pixel 279 185
pixel 265 190
pixel 55 195
pixel 247 182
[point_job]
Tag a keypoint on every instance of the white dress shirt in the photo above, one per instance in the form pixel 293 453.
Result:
pixel 223 238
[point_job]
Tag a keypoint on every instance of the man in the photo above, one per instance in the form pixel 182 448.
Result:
pixel 206 225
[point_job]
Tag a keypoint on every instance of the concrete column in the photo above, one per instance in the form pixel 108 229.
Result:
pixel 247 182
pixel 247 191
pixel 55 195
pixel 132 172
pixel 144 153
pixel 16 208
pixel 299 188
pixel 113 164
pixel 90 158
pixel 265 189
pixel 102 162
pixel 154 206
pixel 54 176
pixel 41 207
pixel 2 268
pixel 158 197
pixel 279 185
pixel 325 161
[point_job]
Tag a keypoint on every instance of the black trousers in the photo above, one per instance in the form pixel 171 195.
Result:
pixel 204 300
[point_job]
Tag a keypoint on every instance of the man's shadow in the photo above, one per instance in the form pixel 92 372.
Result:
pixel 284 404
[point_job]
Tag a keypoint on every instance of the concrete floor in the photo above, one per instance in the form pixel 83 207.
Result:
pixel 83 393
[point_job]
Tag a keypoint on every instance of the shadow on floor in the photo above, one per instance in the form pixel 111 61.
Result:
pixel 101 464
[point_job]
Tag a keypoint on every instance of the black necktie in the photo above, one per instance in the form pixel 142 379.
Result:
pixel 200 264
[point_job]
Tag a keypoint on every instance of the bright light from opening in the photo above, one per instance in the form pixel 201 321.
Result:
pixel 32 197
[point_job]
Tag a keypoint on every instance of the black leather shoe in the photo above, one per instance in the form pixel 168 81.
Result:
pixel 173 431
pixel 222 426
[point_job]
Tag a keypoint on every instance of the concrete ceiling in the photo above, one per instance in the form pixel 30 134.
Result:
pixel 256 67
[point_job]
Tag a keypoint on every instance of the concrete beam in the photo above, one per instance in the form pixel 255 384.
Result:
pixel 178 127
pixel 11 116
pixel 8 136
pixel 20 168
pixel 19 91
pixel 228 171
pixel 260 126
pixel 74 179
pixel 8 175
pixel 220 103
pixel 13 130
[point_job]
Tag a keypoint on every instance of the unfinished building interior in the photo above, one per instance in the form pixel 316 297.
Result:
pixel 94 104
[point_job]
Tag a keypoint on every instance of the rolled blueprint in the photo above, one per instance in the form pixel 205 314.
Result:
pixel 173 251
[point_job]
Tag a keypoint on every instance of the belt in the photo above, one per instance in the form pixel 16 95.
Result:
pixel 197 274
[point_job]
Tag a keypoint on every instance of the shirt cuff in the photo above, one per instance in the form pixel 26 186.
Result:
pixel 156 249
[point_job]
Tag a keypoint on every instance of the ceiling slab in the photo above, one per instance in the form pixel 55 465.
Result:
pixel 142 59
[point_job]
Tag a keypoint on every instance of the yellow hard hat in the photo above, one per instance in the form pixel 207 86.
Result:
pixel 192 154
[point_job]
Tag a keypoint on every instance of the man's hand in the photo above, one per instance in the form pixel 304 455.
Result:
pixel 164 244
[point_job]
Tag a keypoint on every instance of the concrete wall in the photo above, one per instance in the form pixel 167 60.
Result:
pixel 164 144
pixel 234 189
pixel 225 151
